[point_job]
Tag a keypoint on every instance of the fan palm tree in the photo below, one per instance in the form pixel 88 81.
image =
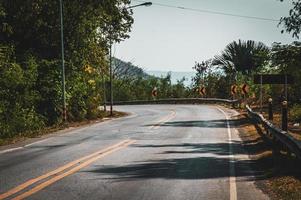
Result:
pixel 242 56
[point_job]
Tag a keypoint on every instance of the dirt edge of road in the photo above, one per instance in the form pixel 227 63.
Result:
pixel 30 137
pixel 280 178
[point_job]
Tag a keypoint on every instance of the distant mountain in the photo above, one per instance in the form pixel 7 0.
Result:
pixel 124 69
pixel 175 76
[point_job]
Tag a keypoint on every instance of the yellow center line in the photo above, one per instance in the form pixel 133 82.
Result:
pixel 88 158
pixel 164 119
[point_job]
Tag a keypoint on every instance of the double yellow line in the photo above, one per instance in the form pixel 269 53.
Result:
pixel 163 120
pixel 62 172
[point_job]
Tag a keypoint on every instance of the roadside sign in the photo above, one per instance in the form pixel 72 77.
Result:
pixel 284 79
pixel 202 91
pixel 273 79
pixel 155 92
pixel 233 89
pixel 245 89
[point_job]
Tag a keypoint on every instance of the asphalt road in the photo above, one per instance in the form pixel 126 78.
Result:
pixel 158 152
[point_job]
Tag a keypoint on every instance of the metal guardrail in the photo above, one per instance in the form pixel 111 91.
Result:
pixel 177 101
pixel 281 136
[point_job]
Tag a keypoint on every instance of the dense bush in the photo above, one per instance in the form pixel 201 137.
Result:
pixel 295 113
pixel 18 103
pixel 30 59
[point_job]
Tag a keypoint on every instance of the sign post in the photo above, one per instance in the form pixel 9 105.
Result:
pixel 261 96
pixel 202 91
pixel 286 87
pixel 271 109
pixel 245 90
pixel 273 79
pixel 284 116
pixel 155 92
pixel 233 92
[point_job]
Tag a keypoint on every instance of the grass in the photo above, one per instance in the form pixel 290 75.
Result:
pixel 53 129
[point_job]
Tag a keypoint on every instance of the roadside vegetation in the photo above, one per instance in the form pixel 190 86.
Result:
pixel 30 60
pixel 241 60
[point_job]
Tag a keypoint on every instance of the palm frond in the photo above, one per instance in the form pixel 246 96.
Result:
pixel 241 56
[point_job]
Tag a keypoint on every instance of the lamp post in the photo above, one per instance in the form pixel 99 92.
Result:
pixel 111 81
pixel 142 4
pixel 63 63
pixel 111 72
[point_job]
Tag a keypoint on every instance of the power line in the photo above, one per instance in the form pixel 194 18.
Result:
pixel 213 12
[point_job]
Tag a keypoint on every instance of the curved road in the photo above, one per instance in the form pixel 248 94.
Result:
pixel 158 152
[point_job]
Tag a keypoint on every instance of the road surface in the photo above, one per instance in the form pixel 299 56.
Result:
pixel 158 152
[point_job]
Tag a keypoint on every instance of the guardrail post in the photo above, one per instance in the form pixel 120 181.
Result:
pixel 234 102
pixel 271 109
pixel 284 116
pixel 275 151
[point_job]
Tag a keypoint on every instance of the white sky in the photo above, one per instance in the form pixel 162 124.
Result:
pixel 170 39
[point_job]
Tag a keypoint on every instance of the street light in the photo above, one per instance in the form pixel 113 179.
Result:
pixel 111 73
pixel 63 63
pixel 142 4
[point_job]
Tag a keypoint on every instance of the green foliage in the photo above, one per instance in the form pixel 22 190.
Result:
pixel 214 80
pixel 30 59
pixel 48 85
pixel 292 23
pixel 242 56
pixel 18 112
pixel 132 83
pixel 295 113
pixel 286 59
pixel 241 60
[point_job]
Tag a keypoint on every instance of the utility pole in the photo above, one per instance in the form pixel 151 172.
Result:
pixel 104 92
pixel 111 81
pixel 63 63
pixel 111 71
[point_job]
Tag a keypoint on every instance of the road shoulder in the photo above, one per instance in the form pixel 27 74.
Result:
pixel 280 177
pixel 40 136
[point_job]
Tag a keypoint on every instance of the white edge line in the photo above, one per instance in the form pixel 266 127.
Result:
pixel 37 142
pixel 67 133
pixel 22 147
pixel 232 178
pixel 10 150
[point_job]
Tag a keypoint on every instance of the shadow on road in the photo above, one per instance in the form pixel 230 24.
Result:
pixel 180 168
pixel 192 160
pixel 220 123
pixel 184 161
pixel 253 146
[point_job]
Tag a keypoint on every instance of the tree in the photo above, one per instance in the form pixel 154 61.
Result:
pixel 285 59
pixel 34 25
pixel 18 103
pixel 30 54
pixel 242 56
pixel 292 23
pixel 201 69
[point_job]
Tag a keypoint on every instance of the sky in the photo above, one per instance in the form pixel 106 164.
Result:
pixel 172 39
